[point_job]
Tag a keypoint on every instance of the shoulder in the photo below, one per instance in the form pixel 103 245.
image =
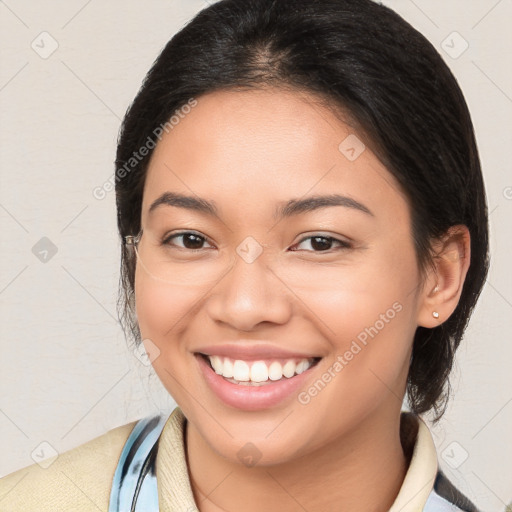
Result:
pixel 79 479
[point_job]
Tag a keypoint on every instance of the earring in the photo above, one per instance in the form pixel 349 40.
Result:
pixel 436 289
pixel 435 314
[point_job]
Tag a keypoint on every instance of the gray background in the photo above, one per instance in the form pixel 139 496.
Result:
pixel 66 373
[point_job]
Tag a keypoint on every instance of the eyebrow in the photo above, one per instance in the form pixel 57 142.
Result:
pixel 182 201
pixel 288 209
pixel 297 206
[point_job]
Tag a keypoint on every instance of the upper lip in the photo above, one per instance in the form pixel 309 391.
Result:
pixel 252 351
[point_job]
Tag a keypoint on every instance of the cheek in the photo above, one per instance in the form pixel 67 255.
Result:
pixel 368 365
pixel 162 309
pixel 163 313
pixel 349 299
pixel 368 315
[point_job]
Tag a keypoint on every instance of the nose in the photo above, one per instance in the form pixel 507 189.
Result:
pixel 248 295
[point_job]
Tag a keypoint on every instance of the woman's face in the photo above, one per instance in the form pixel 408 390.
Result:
pixel 300 248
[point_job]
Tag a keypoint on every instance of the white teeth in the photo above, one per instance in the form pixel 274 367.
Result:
pixel 227 370
pixel 217 364
pixel 241 371
pixel 257 371
pixel 289 369
pixel 301 367
pixel 275 371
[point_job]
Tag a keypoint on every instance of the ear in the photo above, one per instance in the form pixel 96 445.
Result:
pixel 443 285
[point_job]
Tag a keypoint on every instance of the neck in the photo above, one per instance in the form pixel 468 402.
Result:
pixel 360 471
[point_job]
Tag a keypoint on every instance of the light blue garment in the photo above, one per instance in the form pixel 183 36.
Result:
pixel 444 497
pixel 437 504
pixel 134 486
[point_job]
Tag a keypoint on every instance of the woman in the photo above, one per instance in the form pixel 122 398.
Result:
pixel 305 236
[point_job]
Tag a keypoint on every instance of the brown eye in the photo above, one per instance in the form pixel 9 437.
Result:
pixel 186 240
pixel 319 243
pixel 191 241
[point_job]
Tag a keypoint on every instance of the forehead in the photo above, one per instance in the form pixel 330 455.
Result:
pixel 266 145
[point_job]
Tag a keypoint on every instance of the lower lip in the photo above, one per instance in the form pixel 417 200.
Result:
pixel 252 398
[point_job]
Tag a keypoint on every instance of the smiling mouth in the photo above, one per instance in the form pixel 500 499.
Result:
pixel 258 372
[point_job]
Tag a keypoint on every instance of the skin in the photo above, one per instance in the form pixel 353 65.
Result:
pixel 249 152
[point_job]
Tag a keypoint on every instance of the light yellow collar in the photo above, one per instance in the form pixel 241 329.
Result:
pixel 175 493
pixel 420 476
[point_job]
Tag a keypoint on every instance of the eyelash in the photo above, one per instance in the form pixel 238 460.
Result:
pixel 342 244
pixel 166 240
